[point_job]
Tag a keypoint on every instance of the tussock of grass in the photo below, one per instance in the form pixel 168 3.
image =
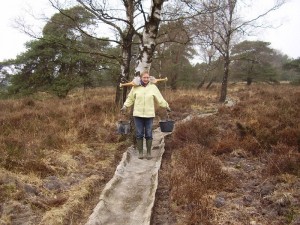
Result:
pixel 197 131
pixel 75 202
pixel 196 173
pixel 283 159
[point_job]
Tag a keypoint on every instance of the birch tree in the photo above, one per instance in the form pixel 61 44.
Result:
pixel 149 36
pixel 126 19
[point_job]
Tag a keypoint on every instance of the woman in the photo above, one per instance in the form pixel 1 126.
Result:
pixel 142 97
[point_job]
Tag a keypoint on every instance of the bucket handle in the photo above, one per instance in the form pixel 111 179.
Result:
pixel 168 115
pixel 122 116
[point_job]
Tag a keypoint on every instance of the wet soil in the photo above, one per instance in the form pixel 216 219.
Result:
pixel 162 214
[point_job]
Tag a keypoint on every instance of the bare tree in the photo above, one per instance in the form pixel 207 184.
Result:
pixel 222 26
pixel 127 19
pixel 173 50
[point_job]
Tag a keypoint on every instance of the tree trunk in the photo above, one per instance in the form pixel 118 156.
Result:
pixel 200 85
pixel 173 81
pixel 210 82
pixel 147 46
pixel 124 76
pixel 125 71
pixel 249 80
pixel 127 37
pixel 121 94
pixel 225 80
pixel 208 71
pixel 118 95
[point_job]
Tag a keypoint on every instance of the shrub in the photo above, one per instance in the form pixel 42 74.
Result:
pixel 195 173
pixel 196 131
pixel 283 159
pixel 226 145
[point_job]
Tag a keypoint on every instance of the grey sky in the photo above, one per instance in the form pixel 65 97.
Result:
pixel 284 38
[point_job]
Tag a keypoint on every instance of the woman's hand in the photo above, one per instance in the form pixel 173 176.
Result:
pixel 123 109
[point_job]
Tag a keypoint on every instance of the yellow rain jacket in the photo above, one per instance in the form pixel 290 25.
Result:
pixel 143 100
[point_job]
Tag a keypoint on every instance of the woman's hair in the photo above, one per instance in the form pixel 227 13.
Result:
pixel 144 72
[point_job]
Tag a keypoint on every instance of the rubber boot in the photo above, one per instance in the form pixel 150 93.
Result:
pixel 149 145
pixel 139 145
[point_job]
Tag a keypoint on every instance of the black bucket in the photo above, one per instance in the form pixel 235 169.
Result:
pixel 123 127
pixel 166 125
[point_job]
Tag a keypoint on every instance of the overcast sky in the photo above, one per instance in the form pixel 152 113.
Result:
pixel 284 38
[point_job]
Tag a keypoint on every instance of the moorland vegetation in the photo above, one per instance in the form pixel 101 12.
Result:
pixel 57 155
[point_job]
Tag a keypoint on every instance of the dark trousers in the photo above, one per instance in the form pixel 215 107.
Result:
pixel 143 127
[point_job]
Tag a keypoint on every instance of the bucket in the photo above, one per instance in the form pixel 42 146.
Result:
pixel 123 127
pixel 166 125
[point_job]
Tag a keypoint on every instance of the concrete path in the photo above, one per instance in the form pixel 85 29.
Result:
pixel 129 196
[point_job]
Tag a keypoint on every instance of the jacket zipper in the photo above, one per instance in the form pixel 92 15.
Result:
pixel 144 102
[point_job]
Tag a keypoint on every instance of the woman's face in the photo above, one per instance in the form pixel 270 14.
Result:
pixel 145 78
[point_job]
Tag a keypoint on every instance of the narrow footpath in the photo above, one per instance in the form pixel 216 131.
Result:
pixel 128 198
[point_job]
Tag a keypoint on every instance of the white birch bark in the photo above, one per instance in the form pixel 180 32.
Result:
pixel 150 31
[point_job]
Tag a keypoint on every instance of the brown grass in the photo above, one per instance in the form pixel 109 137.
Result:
pixel 196 172
pixel 195 131
pixel 283 159
pixel 74 140
pixel 263 124
pixel 264 117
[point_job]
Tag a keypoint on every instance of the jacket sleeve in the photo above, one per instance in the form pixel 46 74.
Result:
pixel 159 98
pixel 130 98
